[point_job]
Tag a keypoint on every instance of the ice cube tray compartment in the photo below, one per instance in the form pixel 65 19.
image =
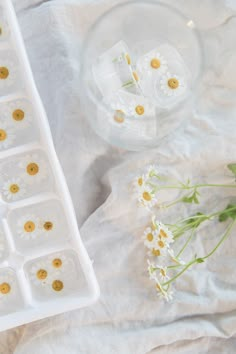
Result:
pixel 39 227
pixel 44 267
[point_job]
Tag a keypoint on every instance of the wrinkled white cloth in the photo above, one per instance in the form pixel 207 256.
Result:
pixel 129 319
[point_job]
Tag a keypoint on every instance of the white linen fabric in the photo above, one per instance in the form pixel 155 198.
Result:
pixel 129 318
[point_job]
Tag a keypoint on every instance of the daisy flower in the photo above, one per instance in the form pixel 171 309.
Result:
pixel 35 168
pixel 164 233
pixel 13 189
pixel 57 263
pixel 172 85
pixel 167 295
pixel 159 249
pixel 47 225
pixel 7 135
pixel 8 285
pixel 150 238
pixel 19 112
pixel 163 273
pixel 27 226
pixel 152 271
pixel 8 72
pixel 139 182
pixel 146 197
pixel 39 274
pixel 152 63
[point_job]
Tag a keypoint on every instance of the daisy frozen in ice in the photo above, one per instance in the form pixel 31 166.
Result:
pixel 8 285
pixel 152 63
pixel 19 113
pixel 34 168
pixel 172 85
pixel 39 273
pixel 8 72
pixel 13 189
pixel 27 226
pixel 7 135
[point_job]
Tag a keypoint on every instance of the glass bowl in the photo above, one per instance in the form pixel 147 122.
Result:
pixel 136 30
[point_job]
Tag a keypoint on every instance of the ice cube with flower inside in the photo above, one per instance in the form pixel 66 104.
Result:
pixel 113 70
pixel 164 76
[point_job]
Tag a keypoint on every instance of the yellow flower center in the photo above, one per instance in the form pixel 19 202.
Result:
pixel 155 63
pixel 163 233
pixel 3 135
pixel 4 72
pixel 139 110
pixel 173 83
pixel 135 75
pixel 32 169
pixel 57 285
pixel 5 288
pixel 29 226
pixel 156 252
pixel 42 274
pixel 158 287
pixel 163 272
pixel 127 57
pixel 147 196
pixel 150 237
pixel 57 263
pixel 14 188
pixel 18 115
pixel 161 244
pixel 140 181
pixel 48 225
pixel 119 116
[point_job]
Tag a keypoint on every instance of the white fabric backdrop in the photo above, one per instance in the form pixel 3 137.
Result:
pixel 129 319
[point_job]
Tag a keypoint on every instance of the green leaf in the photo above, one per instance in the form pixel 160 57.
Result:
pixel 200 260
pixel 228 212
pixel 232 168
pixel 192 199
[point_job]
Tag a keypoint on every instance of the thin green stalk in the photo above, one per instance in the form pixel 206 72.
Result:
pixel 180 273
pixel 186 243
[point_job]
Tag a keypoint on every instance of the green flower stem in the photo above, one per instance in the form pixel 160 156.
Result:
pixel 196 260
pixel 226 234
pixel 195 186
pixel 180 273
pixel 186 243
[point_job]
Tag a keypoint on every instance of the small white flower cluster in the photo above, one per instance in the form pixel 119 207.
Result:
pixel 147 195
pixel 158 239
pixel 33 170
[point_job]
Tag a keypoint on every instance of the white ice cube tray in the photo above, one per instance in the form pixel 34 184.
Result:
pixel 44 267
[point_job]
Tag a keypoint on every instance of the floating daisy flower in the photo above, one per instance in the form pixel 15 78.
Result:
pixel 7 135
pixel 150 238
pixel 35 168
pixel 152 63
pixel 146 197
pixel 131 104
pixel 8 72
pixel 40 274
pixel 47 225
pixel 19 112
pixel 8 285
pixel 13 189
pixel 27 226
pixel 57 263
pixel 172 85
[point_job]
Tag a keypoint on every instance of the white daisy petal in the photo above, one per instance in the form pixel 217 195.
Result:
pixel 13 189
